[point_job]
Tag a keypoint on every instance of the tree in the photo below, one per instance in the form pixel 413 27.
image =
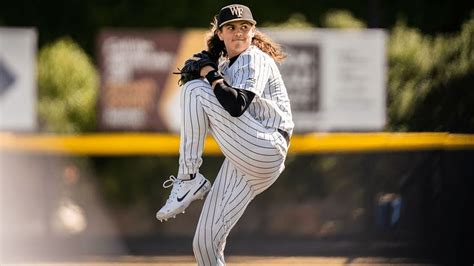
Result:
pixel 67 88
pixel 430 80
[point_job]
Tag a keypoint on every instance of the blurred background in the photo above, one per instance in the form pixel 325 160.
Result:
pixel 381 162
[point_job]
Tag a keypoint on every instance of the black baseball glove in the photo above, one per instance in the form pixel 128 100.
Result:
pixel 192 67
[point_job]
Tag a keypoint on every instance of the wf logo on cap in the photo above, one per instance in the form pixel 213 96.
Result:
pixel 236 11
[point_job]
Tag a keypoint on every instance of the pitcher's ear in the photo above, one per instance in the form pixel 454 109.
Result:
pixel 252 33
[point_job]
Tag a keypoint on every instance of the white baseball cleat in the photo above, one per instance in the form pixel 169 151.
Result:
pixel 182 194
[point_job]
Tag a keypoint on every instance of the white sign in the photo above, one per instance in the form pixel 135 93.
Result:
pixel 335 78
pixel 17 79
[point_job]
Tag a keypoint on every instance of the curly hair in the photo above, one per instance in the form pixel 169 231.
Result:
pixel 217 47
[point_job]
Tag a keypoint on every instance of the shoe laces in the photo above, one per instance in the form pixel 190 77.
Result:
pixel 170 181
pixel 176 183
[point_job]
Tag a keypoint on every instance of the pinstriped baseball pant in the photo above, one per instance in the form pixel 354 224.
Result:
pixel 255 157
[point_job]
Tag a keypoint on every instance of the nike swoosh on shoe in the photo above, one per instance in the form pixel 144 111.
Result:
pixel 184 196
pixel 205 181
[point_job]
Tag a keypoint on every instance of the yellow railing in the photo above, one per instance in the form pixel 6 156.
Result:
pixel 166 144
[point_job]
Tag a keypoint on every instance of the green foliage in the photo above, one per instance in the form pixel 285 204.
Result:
pixel 67 88
pixel 341 19
pixel 429 77
pixel 295 20
pixel 430 80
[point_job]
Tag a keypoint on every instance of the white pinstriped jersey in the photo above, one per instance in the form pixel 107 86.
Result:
pixel 257 72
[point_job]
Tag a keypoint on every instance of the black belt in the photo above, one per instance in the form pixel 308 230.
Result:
pixel 285 135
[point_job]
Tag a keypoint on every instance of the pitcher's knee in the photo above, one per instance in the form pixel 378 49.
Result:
pixel 191 90
pixel 193 84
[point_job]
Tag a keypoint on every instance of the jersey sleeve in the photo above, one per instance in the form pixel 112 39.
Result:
pixel 252 73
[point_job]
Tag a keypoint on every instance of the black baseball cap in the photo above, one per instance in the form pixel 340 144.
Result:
pixel 234 12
